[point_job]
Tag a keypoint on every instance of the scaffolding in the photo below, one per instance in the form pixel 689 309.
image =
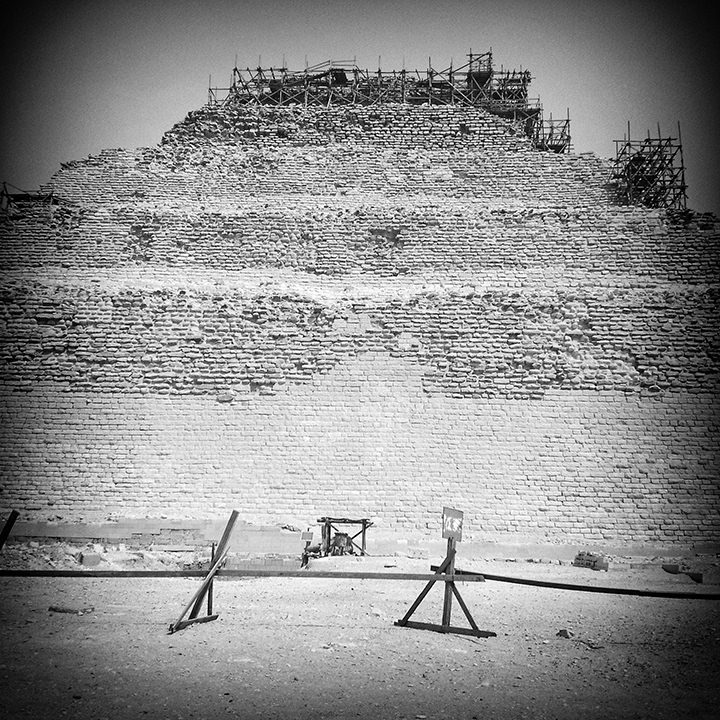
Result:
pixel 553 135
pixel 12 201
pixel 341 82
pixel 650 171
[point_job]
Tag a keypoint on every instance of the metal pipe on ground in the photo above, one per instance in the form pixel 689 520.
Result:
pixel 591 588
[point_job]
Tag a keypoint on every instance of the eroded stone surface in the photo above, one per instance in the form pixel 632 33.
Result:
pixel 364 311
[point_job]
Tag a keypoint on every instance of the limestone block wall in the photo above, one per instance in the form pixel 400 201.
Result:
pixel 367 312
pixel 218 155
pixel 468 341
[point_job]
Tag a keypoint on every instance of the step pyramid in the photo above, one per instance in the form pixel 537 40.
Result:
pixel 369 311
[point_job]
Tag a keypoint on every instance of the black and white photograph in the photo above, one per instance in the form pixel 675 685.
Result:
pixel 359 360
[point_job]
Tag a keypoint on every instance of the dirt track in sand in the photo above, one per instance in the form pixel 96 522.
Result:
pixel 315 648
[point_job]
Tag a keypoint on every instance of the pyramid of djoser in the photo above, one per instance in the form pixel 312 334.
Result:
pixel 364 311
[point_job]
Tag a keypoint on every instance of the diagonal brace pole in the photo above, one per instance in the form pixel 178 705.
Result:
pixel 220 551
pixel 440 571
pixel 197 599
pixel 464 607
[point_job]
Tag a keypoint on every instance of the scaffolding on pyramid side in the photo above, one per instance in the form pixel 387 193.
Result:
pixel 650 171
pixel 553 135
pixel 337 83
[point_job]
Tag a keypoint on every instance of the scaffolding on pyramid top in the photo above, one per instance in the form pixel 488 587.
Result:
pixel 336 83
pixel 650 171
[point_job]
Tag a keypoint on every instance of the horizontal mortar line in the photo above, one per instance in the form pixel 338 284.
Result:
pixel 345 575
pixel 350 287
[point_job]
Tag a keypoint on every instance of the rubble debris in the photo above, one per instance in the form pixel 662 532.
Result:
pixel 676 569
pixel 70 610
pixel 591 560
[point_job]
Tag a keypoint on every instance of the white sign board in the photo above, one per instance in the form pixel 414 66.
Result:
pixel 452 522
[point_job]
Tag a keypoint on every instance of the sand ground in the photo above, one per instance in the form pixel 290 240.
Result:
pixel 328 648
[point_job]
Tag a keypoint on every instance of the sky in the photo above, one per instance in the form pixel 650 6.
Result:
pixel 79 76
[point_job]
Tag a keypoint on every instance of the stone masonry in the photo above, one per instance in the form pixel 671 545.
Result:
pixel 364 311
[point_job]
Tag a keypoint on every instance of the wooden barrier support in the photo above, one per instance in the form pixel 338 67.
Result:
pixel 7 527
pixel 452 530
pixel 218 559
pixel 249 572
pixel 328 525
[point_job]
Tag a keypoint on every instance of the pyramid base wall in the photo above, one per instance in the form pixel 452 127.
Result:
pixel 365 440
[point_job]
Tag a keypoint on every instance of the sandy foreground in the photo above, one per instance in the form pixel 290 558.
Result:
pixel 328 648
